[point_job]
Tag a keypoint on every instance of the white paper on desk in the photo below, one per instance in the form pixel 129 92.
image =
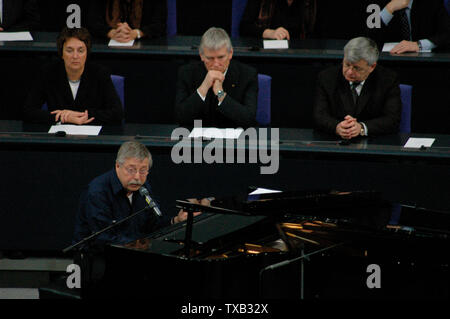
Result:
pixel 276 44
pixel 260 191
pixel 114 43
pixel 16 36
pixel 388 46
pixel 214 132
pixel 76 129
pixel 414 142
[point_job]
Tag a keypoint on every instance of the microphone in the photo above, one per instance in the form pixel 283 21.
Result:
pixel 151 203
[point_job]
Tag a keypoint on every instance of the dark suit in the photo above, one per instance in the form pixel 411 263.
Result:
pixel 20 15
pixel 429 20
pixel 238 107
pixel 96 94
pixel 378 106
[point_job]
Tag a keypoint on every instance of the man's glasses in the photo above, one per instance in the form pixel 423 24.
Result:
pixel 132 171
pixel 355 68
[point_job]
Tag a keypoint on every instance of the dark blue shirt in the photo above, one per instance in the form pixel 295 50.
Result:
pixel 104 201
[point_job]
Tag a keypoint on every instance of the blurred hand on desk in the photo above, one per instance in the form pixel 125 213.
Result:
pixel 73 117
pixel 182 215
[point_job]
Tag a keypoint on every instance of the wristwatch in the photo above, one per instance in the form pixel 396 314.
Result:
pixel 138 34
pixel 419 44
pixel 220 94
pixel 362 133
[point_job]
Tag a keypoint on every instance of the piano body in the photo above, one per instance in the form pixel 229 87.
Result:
pixel 289 245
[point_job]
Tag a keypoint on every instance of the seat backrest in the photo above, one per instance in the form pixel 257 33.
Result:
pixel 264 100
pixel 119 84
pixel 171 17
pixel 447 5
pixel 406 97
pixel 237 10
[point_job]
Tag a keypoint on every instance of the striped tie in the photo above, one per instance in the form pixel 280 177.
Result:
pixel 355 95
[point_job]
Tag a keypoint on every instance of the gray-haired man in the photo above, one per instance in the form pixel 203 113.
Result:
pixel 217 90
pixel 359 97
pixel 115 195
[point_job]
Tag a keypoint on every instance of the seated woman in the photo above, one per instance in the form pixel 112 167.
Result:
pixel 126 20
pixel 75 90
pixel 277 19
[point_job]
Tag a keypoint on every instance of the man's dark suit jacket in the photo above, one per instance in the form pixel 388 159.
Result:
pixel 20 15
pixel 429 20
pixel 378 106
pixel 96 94
pixel 238 107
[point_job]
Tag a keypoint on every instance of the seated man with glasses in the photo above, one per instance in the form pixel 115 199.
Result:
pixel 115 195
pixel 358 98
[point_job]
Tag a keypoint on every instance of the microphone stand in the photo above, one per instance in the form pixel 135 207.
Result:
pixel 114 224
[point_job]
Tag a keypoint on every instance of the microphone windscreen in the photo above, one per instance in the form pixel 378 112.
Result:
pixel 143 191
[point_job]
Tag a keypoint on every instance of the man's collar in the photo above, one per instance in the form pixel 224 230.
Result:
pixel 410 4
pixel 360 83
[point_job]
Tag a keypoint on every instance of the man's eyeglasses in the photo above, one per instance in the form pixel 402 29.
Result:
pixel 133 171
pixel 355 68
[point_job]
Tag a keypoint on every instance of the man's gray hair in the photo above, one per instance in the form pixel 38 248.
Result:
pixel 133 149
pixel 215 39
pixel 361 49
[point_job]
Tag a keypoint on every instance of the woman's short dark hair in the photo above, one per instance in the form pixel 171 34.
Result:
pixel 81 34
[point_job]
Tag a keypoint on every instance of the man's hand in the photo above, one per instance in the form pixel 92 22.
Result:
pixel 74 117
pixel 396 5
pixel 210 79
pixel 348 128
pixel 405 46
pixel 277 34
pixel 182 215
pixel 123 33
pixel 1 29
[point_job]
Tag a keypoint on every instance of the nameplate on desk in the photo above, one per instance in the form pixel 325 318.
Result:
pixel 114 43
pixel 16 36
pixel 76 129
pixel 388 46
pixel 276 44
pixel 414 142
pixel 214 132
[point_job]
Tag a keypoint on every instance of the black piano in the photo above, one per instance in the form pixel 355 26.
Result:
pixel 287 245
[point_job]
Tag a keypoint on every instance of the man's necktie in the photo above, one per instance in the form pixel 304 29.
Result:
pixel 355 95
pixel 404 25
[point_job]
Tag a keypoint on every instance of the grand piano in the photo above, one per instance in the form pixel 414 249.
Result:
pixel 286 245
